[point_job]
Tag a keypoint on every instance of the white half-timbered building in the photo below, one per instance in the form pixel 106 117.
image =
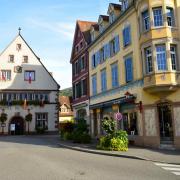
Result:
pixel 26 87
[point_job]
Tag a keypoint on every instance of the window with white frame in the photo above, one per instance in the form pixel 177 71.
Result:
pixel 42 120
pixel 146 20
pixel 5 75
pixel 170 16
pixel 11 58
pixel 18 47
pixel 124 4
pixel 158 16
pixel 101 28
pixel 173 57
pixel 161 57
pixel 148 58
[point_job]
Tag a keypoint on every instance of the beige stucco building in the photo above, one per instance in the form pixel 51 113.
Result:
pixel 134 69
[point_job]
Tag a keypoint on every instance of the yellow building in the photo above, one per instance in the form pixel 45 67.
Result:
pixel 134 68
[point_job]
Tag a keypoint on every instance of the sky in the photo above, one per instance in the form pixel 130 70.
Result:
pixel 48 27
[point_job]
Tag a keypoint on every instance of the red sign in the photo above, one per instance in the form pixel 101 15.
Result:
pixel 118 116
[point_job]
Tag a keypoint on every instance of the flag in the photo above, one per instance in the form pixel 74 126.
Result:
pixel 3 76
pixel 30 77
pixel 25 104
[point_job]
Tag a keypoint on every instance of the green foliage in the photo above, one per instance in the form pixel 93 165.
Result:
pixel 80 133
pixel 3 117
pixel 114 140
pixel 40 130
pixel 66 92
pixel 67 136
pixel 28 117
pixel 117 143
pixel 108 125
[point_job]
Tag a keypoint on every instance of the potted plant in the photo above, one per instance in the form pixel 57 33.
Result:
pixel 3 119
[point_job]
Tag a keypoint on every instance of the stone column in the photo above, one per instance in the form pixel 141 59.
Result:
pixel 91 121
pixel 98 111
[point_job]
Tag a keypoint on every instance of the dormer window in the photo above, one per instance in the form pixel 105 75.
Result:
pixel 124 4
pixel 111 17
pixel 11 58
pixel 92 36
pixel 101 28
pixel 18 47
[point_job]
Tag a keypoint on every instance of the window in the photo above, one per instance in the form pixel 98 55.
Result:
pixel 107 52
pixel 173 57
pixel 148 57
pixel 93 61
pixel 124 5
pixel 78 90
pixel 25 59
pixel 130 123
pixel 101 28
pixel 76 67
pixel 11 58
pixel 170 16
pixel 114 74
pixel 81 45
pixel 129 69
pixel 84 87
pixel 42 120
pixel 126 36
pixel 146 21
pixel 114 45
pixel 5 75
pixel 102 55
pixel 111 17
pixel 158 18
pixel 82 62
pixel 96 58
pixel 94 85
pixel 77 49
pixel 103 80
pixel 29 76
pixel 161 57
pixel 92 36
pixel 18 47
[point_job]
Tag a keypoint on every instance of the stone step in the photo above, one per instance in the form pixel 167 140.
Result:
pixel 167 146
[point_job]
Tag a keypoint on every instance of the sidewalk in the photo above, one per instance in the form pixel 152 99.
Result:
pixel 155 155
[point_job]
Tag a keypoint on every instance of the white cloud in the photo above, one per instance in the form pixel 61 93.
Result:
pixel 62 28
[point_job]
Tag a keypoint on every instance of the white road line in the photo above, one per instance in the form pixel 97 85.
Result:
pixel 168 165
pixel 176 173
pixel 171 169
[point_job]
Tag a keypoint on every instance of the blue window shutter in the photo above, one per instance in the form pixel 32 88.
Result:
pixel 104 49
pixel 94 85
pixel 108 50
pixel 117 47
pixel 129 69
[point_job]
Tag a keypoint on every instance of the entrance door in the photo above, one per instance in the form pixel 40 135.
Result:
pixel 19 126
pixel 165 122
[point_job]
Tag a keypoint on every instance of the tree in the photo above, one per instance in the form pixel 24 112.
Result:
pixel 28 119
pixel 3 119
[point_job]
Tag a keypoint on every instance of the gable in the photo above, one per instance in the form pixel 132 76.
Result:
pixel 43 79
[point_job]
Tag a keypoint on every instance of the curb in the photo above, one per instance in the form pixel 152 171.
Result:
pixel 113 155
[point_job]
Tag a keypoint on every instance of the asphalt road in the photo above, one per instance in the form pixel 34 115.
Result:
pixel 40 158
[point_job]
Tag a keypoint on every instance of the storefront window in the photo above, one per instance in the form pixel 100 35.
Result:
pixel 130 123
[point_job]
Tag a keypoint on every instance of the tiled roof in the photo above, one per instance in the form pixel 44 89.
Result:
pixel 85 29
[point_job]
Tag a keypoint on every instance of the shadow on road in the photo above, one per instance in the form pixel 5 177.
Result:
pixel 36 140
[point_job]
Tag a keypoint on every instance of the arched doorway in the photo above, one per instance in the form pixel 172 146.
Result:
pixel 18 123
pixel 165 122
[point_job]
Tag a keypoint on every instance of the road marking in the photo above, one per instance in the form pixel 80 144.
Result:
pixel 173 168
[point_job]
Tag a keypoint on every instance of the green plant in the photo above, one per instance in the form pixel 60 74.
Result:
pixel 67 136
pixel 40 130
pixel 108 125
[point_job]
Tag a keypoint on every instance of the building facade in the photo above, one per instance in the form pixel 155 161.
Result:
pixel 65 110
pixel 26 87
pixel 80 67
pixel 134 69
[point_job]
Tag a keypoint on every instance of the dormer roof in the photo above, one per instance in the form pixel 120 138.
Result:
pixel 103 17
